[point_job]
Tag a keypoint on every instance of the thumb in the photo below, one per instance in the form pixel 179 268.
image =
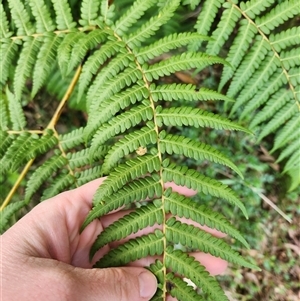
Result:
pixel 114 284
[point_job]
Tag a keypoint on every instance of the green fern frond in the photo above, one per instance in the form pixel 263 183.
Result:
pixel 64 18
pixel 4 117
pixel 278 15
pixel 4 25
pixel 140 247
pixel 293 163
pixel 186 265
pixel 72 139
pixel 180 206
pixel 42 16
pixel 88 175
pixel 134 13
pixel 139 219
pixel 8 52
pixel 253 8
pixel 285 39
pixel 184 92
pixel 173 144
pixel 166 44
pixel 25 64
pixel 193 237
pixel 289 150
pixel 8 212
pixel 192 179
pixel 186 116
pixel 89 12
pixel 5 141
pixel 16 114
pixel 185 61
pixel 133 191
pixel 21 18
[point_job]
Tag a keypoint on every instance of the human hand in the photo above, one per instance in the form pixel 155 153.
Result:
pixel 43 256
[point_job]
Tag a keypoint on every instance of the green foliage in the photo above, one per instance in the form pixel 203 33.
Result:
pixel 119 65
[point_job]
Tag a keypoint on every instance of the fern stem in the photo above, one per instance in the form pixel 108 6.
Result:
pixel 16 185
pixel 38 132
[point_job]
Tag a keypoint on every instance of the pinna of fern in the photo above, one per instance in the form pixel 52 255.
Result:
pixel 121 72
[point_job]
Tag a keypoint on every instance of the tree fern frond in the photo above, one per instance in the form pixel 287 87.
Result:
pixel 180 290
pixel 278 15
pixel 107 12
pixel 148 29
pixel 4 25
pixel 293 163
pixel 88 175
pixel 237 50
pixel 71 139
pixel 62 182
pixel 134 13
pixel 289 150
pixel 186 265
pixel 285 39
pixel 184 92
pixel 174 144
pixel 290 131
pixel 42 16
pixel 140 247
pixel 121 123
pixel 185 61
pixel 16 114
pixel 86 43
pixel 139 138
pixel 180 205
pixel 166 44
pixel 253 8
pixel 226 25
pixel 280 118
pixel 5 141
pixel 89 12
pixel 207 15
pixel 193 237
pixel 25 64
pixel 64 18
pixel 194 117
pixel 95 61
pixel 21 18
pixel 290 58
pixel 8 52
pixel 137 190
pixel 4 116
pixel 192 179
pixel 42 173
pixel 139 219
pixel 8 212
pixel 126 172
pixel 46 59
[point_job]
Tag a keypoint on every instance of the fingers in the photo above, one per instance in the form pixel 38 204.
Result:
pixel 124 284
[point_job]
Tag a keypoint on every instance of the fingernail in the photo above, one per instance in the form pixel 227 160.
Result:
pixel 148 284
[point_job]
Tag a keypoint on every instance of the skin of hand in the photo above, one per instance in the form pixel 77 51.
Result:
pixel 43 256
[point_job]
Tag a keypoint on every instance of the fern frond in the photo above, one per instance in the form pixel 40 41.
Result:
pixel 186 265
pixel 126 172
pixel 285 39
pixel 278 15
pixel 4 25
pixel 193 237
pixel 45 61
pixel 89 12
pixel 4 116
pixel 226 25
pixel 64 18
pixel 290 150
pixel 149 28
pixel 185 61
pixel 134 13
pixel 21 18
pixel 139 138
pixel 192 179
pixel 8 52
pixel 166 44
pixel 140 247
pixel 253 8
pixel 42 16
pixel 293 163
pixel 141 218
pixel 186 116
pixel 137 190
pixel 173 144
pixel 42 173
pixel 25 64
pixel 180 205
pixel 71 139
pixel 88 175
pixel 121 123
pixel 16 114
pixel 8 212
pixel 184 92
pixel 290 58
pixel 5 141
